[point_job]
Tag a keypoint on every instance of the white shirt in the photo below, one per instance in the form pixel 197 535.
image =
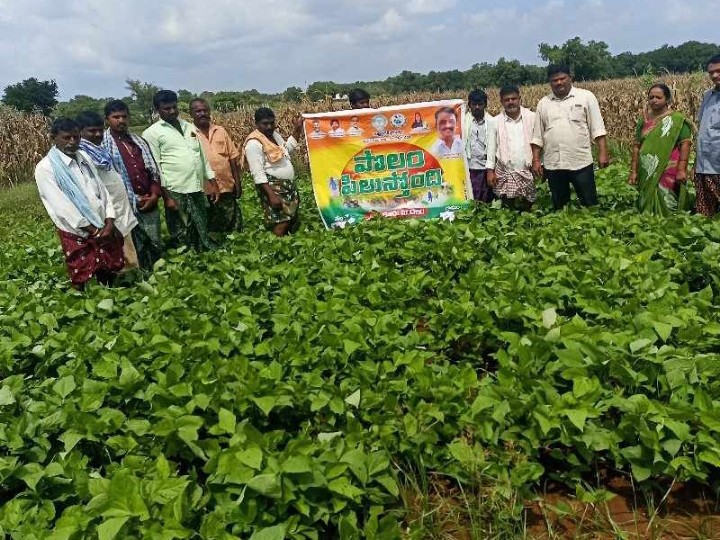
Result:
pixel 125 220
pixel 478 144
pixel 354 131
pixel 259 165
pixel 516 143
pixel 339 132
pixel 63 213
pixel 566 127
pixel 440 149
pixel 317 134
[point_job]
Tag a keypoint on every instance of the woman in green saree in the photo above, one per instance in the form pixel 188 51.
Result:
pixel 660 156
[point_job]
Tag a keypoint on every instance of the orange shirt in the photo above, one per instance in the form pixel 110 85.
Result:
pixel 220 150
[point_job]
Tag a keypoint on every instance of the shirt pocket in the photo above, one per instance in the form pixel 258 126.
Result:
pixel 219 147
pixel 577 114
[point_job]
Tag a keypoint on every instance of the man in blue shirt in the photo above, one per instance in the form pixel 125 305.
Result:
pixel 707 163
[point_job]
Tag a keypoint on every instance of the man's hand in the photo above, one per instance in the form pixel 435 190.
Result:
pixel 170 203
pixel 275 200
pixel 491 178
pixel 298 127
pixel 537 168
pixel 632 179
pixel 107 232
pixel 682 176
pixel 603 158
pixel 212 190
pixel 147 203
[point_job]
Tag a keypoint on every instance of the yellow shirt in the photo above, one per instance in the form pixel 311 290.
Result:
pixel 220 151
pixel 565 129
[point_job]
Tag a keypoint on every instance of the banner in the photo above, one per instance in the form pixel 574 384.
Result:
pixel 406 161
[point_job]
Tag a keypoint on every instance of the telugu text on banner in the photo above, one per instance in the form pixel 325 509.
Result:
pixel 406 161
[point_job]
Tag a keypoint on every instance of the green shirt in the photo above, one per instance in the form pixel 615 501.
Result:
pixel 183 165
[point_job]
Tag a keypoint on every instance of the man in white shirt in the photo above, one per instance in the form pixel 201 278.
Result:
pixel 567 121
pixel 80 207
pixel 476 126
pixel 335 129
pixel 509 158
pixel 268 158
pixel 92 131
pixel 449 144
pixel 316 132
pixel 355 130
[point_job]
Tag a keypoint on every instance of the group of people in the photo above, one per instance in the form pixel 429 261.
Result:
pixel 102 184
pixel 509 153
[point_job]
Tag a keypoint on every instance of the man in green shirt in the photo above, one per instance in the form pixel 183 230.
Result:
pixel 184 172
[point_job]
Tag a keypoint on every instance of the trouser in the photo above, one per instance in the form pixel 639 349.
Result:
pixel 481 189
pixel 707 188
pixel 583 180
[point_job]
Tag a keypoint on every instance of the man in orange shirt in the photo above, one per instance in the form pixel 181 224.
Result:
pixel 224 216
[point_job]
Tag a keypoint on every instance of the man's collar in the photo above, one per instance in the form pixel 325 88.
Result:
pixel 571 93
pixel 67 160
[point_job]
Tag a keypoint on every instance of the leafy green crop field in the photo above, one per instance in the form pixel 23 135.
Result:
pixel 307 387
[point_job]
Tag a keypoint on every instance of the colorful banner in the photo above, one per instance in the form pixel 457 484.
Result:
pixel 406 161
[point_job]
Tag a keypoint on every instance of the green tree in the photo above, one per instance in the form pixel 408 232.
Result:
pixel 591 60
pixel 32 95
pixel 293 94
pixel 141 95
pixel 78 104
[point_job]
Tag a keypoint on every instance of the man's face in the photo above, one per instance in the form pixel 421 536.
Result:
pixel 316 126
pixel 477 109
pixel 68 142
pixel 714 72
pixel 335 124
pixel 362 104
pixel 118 121
pixel 200 113
pixel 94 134
pixel 169 112
pixel 266 127
pixel 355 121
pixel 511 103
pixel 560 84
pixel 446 126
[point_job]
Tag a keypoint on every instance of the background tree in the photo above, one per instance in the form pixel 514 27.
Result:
pixel 591 60
pixel 78 104
pixel 141 99
pixel 293 94
pixel 32 95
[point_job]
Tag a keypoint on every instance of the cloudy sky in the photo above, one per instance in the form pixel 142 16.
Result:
pixel 92 46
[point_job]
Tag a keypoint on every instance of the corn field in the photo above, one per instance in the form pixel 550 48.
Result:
pixel 24 139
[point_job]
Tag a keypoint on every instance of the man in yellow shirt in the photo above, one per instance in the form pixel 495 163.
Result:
pixel 222 153
pixel 185 173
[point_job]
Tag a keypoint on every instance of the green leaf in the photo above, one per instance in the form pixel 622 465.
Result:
pixel 342 486
pixel 64 387
pixel 266 404
pixel 296 465
pixel 663 330
pixel 276 532
pixel 110 528
pixel 354 398
pixel 227 421
pixel 266 484
pixel 549 317
pixel 350 346
pixel 106 305
pixel 124 498
pixel 6 396
pixel 577 417
pixel 252 457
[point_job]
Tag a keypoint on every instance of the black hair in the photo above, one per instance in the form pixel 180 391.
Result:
pixel 478 96
pixel 63 123
pixel 89 119
pixel 164 96
pixel 199 100
pixel 509 89
pixel 714 60
pixel 357 94
pixel 116 105
pixel 665 90
pixel 445 110
pixel 264 113
pixel 557 69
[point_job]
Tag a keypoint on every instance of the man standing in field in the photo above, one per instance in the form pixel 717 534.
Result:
pixel 509 163
pixel 707 162
pixel 185 173
pixel 268 158
pixel 475 129
pixel 80 207
pixel 359 99
pixel 224 216
pixel 566 123
pixel 92 127
pixel 132 158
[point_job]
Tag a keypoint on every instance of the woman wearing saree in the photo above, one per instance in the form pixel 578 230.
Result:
pixel 660 156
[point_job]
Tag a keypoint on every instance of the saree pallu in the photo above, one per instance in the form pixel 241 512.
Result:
pixel 85 257
pixel 660 192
